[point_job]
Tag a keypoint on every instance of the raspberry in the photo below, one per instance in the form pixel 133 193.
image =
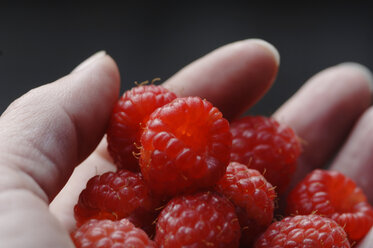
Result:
pixel 128 118
pixel 263 144
pixel 303 231
pixel 332 194
pixel 253 197
pixel 203 219
pixel 110 234
pixel 185 146
pixel 116 195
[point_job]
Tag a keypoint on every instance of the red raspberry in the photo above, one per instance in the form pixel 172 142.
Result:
pixel 263 144
pixel 331 194
pixel 128 119
pixel 304 231
pixel 185 146
pixel 253 197
pixel 110 234
pixel 116 195
pixel 201 220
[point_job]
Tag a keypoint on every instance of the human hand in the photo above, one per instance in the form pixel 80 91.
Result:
pixel 45 134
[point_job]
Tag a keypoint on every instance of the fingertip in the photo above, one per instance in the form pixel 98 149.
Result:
pixel 271 49
pixel 112 71
pixel 90 60
pixel 102 63
pixel 351 72
pixel 348 79
pixel 364 73
pixel 233 77
pixel 98 75
pixel 105 64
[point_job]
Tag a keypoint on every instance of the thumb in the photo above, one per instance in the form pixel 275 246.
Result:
pixel 43 136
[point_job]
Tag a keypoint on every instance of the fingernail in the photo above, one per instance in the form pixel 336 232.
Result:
pixel 363 70
pixel 91 60
pixel 270 47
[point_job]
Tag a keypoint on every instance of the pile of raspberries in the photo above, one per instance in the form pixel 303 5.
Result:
pixel 187 177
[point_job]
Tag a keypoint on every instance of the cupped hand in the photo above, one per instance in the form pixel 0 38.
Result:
pixel 48 137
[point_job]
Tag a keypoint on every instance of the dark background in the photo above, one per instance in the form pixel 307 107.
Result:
pixel 42 41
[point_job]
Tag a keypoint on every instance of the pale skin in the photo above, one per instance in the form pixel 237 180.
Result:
pixel 56 128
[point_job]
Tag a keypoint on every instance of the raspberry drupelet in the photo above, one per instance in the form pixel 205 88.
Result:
pixel 128 119
pixel 262 143
pixel 332 194
pixel 185 147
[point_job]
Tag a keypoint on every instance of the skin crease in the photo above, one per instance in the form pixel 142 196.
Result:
pixel 51 130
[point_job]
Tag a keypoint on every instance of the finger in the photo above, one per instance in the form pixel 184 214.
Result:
pixel 233 77
pixel 43 136
pixel 355 157
pixel 51 129
pixel 324 110
pixel 97 163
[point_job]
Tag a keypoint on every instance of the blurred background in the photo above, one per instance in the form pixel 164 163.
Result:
pixel 42 41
